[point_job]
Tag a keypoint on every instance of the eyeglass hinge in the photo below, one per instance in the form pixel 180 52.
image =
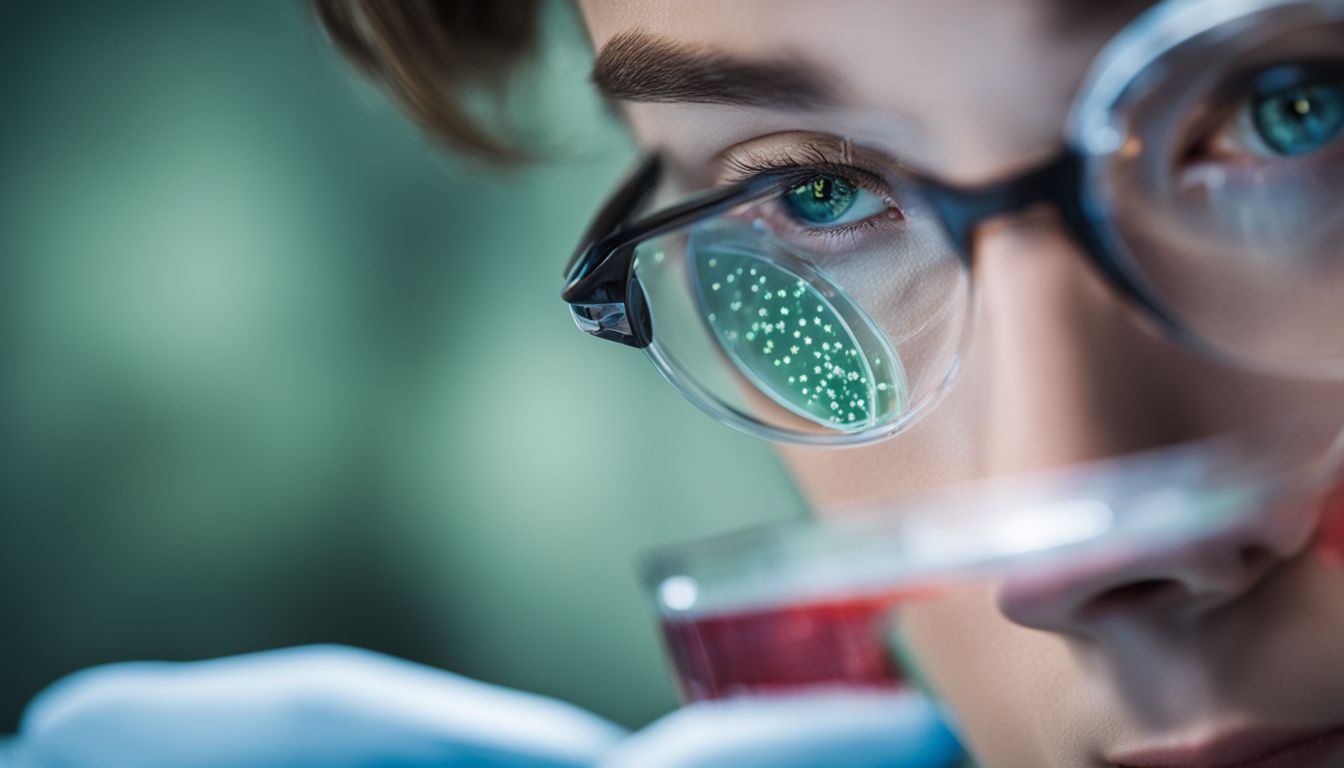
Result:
pixel 605 321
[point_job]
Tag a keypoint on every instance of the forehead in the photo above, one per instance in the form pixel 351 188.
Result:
pixel 946 71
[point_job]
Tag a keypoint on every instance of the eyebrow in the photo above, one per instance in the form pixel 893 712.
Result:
pixel 637 66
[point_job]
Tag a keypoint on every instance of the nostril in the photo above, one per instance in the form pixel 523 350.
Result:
pixel 1255 557
pixel 1134 595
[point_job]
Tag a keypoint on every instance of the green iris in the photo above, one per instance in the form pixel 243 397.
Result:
pixel 812 351
pixel 821 199
pixel 1300 118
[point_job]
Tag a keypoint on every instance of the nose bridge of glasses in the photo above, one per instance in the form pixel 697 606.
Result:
pixel 964 209
pixel 1059 184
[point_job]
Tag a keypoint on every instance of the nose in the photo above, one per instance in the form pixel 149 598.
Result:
pixel 1075 374
pixel 1172 584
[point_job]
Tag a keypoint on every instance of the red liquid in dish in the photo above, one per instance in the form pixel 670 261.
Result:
pixel 841 642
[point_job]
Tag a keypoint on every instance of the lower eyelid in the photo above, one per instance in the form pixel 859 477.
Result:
pixel 834 235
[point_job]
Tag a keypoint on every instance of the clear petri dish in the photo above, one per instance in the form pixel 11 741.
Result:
pixel 816 602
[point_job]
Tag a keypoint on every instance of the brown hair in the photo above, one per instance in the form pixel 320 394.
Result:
pixel 433 56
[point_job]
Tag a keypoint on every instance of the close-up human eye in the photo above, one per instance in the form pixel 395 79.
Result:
pixel 830 200
pixel 1288 113
pixel 822 193
pixel 1298 119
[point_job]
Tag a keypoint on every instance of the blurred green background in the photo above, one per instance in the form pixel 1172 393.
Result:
pixel 277 371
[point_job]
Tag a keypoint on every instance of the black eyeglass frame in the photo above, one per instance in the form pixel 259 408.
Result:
pixel 607 301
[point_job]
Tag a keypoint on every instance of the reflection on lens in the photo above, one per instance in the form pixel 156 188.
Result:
pixel 797 337
pixel 803 337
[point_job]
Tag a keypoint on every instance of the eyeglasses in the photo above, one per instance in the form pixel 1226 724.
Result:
pixel 828 304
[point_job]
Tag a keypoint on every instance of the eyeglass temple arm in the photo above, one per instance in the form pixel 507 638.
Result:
pixel 617 210
pixel 600 289
pixel 608 303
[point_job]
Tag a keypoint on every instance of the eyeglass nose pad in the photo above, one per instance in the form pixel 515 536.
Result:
pixel 793 333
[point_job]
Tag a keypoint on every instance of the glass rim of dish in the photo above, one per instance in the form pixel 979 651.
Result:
pixel 1149 501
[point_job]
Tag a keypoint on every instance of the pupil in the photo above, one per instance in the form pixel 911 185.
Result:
pixel 821 200
pixel 1300 119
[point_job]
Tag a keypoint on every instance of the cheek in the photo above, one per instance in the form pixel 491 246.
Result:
pixel 945 449
pixel 1009 687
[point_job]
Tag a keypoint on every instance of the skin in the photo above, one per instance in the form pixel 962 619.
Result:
pixel 1234 632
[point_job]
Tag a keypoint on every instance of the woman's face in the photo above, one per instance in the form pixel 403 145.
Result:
pixel 1228 638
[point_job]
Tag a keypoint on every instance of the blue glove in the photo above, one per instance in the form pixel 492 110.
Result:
pixel 825 730
pixel 332 707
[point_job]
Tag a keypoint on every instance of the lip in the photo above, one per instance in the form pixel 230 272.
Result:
pixel 1241 748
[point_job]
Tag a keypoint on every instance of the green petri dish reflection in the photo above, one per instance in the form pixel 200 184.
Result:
pixel 797 337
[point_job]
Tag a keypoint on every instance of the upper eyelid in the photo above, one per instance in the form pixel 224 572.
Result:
pixel 740 168
pixel 805 151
